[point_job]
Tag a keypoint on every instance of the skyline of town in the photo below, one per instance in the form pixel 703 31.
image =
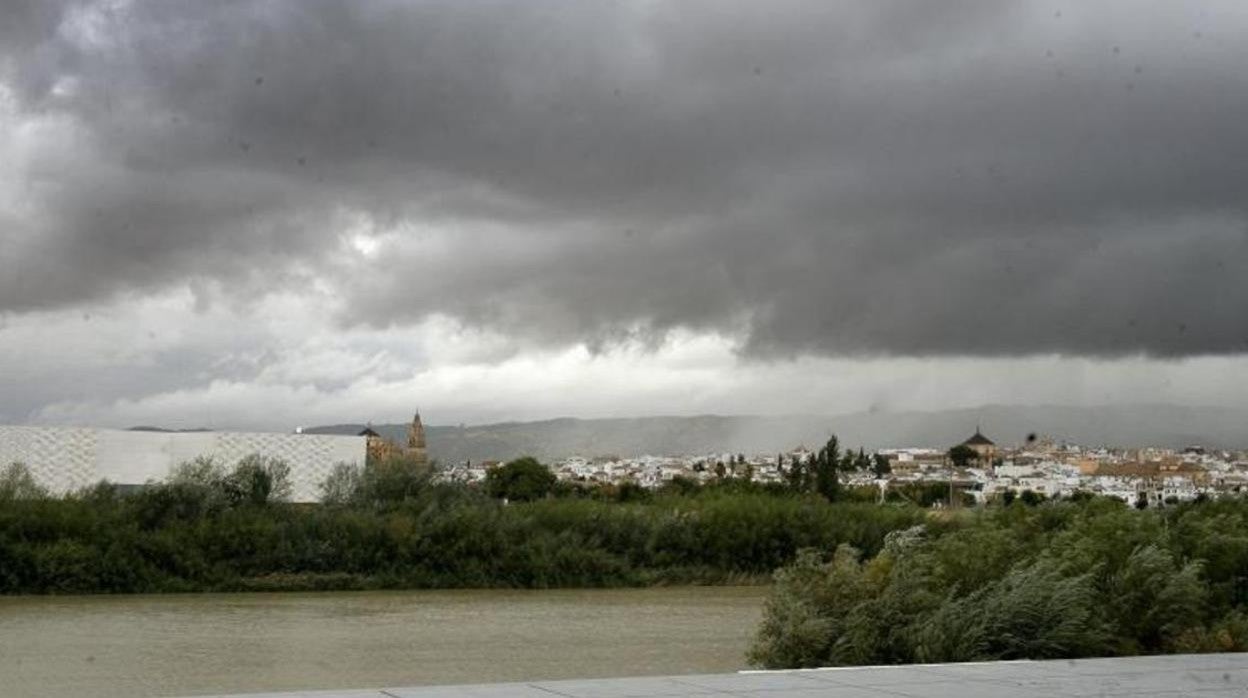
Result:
pixel 976 470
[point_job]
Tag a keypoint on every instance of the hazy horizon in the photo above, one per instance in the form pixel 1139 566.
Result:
pixel 1166 426
pixel 403 419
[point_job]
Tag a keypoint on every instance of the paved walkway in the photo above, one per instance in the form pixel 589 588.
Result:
pixel 1205 676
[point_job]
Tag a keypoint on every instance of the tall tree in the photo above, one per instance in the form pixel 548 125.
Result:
pixel 796 475
pixel 862 461
pixel 881 466
pixel 827 463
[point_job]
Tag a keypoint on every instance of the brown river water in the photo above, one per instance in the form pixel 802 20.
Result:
pixel 173 645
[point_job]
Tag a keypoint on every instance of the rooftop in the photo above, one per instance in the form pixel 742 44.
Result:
pixel 979 440
pixel 1207 675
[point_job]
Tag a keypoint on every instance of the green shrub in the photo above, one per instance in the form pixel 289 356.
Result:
pixel 1070 578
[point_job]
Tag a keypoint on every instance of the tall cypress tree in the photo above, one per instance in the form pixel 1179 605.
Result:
pixel 797 475
pixel 882 467
pixel 827 463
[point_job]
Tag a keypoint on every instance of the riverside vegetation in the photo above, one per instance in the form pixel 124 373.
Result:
pixel 388 526
pixel 1088 577
pixel 855 582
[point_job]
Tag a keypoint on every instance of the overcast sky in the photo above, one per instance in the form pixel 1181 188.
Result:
pixel 266 214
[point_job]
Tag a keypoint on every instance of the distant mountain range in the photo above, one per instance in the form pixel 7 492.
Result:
pixel 162 430
pixel 1124 426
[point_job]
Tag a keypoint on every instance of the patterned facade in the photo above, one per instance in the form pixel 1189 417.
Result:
pixel 67 458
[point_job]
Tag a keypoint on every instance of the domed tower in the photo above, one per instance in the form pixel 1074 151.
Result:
pixel 982 446
pixel 416 441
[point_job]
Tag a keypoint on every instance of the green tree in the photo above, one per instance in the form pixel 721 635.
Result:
pixel 342 486
pixel 1030 498
pixel 203 471
pixel 257 480
pixel 629 491
pixel 16 482
pixel 680 485
pixel 521 480
pixel 827 462
pixel 862 462
pixel 881 465
pixel 798 475
pixel 962 455
pixel 394 480
pixel 193 488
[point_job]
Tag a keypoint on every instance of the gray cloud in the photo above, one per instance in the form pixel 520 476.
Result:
pixel 887 177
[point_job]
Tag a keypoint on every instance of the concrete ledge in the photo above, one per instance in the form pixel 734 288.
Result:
pixel 1204 675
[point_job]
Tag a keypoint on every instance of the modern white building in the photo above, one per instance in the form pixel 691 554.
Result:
pixel 64 459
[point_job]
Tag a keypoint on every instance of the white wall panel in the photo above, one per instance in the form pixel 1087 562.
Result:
pixel 59 458
pixel 66 458
pixel 133 457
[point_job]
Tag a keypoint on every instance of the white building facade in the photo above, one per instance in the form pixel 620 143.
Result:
pixel 64 459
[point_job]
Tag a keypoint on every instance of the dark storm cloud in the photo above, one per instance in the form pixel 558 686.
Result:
pixel 827 178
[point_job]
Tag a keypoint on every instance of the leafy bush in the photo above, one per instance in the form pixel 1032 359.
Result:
pixel 257 480
pixel 520 480
pixel 383 483
pixel 1058 579
pixel 342 484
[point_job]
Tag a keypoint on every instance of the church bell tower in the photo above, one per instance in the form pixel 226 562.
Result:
pixel 416 440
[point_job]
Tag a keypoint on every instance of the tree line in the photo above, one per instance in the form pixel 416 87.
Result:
pixel 390 525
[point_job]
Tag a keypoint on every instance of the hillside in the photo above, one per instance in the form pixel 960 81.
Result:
pixel 1147 425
